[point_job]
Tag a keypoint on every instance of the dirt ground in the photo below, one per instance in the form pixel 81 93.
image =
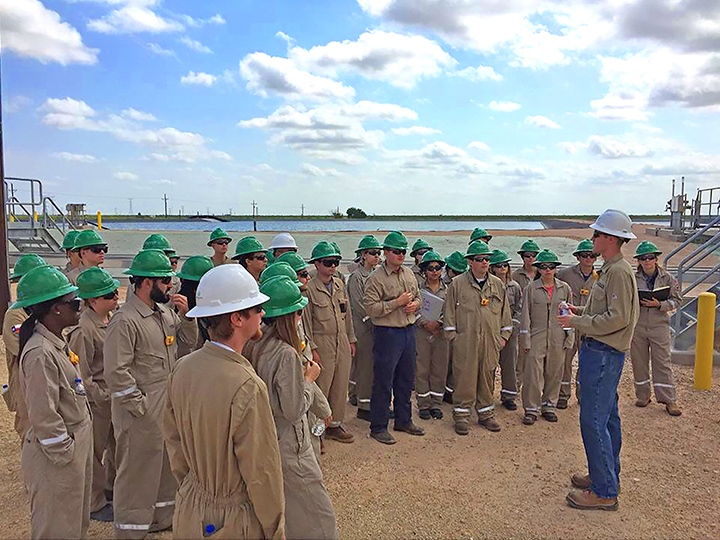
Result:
pixel 496 485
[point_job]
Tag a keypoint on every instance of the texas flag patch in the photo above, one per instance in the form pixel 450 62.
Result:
pixel 15 329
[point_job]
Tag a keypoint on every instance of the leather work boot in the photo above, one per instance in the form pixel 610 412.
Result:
pixel 424 414
pixel 339 434
pixel 562 403
pixel 105 514
pixel 672 409
pixel 383 437
pixel 490 424
pixel 642 402
pixel 362 414
pixel 353 401
pixel 510 405
pixel 462 428
pixel 586 500
pixel 410 429
pixel 550 416
pixel 528 419
pixel 580 481
pixel 437 414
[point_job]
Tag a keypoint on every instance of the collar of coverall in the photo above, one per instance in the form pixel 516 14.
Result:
pixel 142 308
pixel 94 317
pixel 612 261
pixel 317 283
pixel 41 329
pixel 219 349
pixel 387 269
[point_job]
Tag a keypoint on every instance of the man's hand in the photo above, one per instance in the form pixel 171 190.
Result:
pixel 432 326
pixel 403 300
pixel 181 303
pixel 574 309
pixel 316 358
pixel 565 320
pixel 412 307
pixel 653 302
pixel 353 349
pixel 312 371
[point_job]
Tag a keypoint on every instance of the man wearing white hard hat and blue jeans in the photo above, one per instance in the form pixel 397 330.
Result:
pixel 606 323
pixel 218 424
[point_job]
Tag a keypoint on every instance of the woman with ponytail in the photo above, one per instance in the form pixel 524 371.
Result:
pixel 57 451
pixel 276 358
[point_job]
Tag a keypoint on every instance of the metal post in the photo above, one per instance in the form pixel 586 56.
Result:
pixel 4 268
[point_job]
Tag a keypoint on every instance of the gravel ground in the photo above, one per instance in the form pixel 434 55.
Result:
pixel 496 485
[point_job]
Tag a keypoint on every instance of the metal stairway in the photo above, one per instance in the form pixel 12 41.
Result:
pixel 30 224
pixel 684 321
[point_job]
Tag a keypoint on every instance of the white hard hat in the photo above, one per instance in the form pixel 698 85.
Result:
pixel 614 223
pixel 225 289
pixel 283 240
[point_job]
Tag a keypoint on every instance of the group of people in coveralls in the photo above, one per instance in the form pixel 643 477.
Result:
pixel 202 402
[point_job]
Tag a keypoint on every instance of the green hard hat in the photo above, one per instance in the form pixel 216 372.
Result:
pixel 546 256
pixel 529 245
pixel 158 241
pixel 480 234
pixel 219 234
pixel 293 259
pixel 285 296
pixel 646 248
pixel 195 267
pixel 499 256
pixel 40 285
pixel 395 240
pixel 87 239
pixel 247 245
pixel 279 269
pixel 95 282
pixel 368 242
pixel 69 240
pixel 337 248
pixel 457 262
pixel 478 247
pixel 323 250
pixel 270 257
pixel 431 256
pixel 26 263
pixel 150 263
pixel 418 245
pixel 584 246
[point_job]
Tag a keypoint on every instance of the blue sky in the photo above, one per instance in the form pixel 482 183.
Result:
pixel 395 106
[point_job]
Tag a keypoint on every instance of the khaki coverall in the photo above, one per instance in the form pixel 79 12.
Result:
pixel 476 322
pixel 223 449
pixel 521 277
pixel 362 374
pixel 332 332
pixel 418 273
pixel 140 352
pixel 509 353
pixel 73 274
pixel 651 341
pixel 547 341
pixel 13 396
pixel 57 452
pixel 86 340
pixel 308 510
pixel 581 291
pixel 432 359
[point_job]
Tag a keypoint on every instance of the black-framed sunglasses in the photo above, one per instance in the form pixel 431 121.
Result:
pixel 98 249
pixel 480 259
pixel 421 252
pixel 597 234
pixel 547 266
pixel 397 252
pixel 174 260
pixel 434 268
pixel 329 263
pixel 73 304
pixel 303 274
pixel 647 258
pixel 164 280
pixel 221 242
pixel 258 309
pixel 373 252
pixel 501 265
pixel 588 255
pixel 529 255
pixel 259 257
pixel 111 295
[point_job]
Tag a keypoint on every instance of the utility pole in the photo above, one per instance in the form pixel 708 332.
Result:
pixel 4 266
pixel 254 213
pixel 182 210
pixel 130 211
pixel 302 210
pixel 165 198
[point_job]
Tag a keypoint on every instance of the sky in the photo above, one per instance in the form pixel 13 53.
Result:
pixel 392 106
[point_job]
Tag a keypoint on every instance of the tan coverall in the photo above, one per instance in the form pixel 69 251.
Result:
pixel 223 450
pixel 86 340
pixel 227 260
pixel 509 353
pixel 361 377
pixel 476 322
pixel 651 341
pixel 308 510
pixel 581 290
pixel 418 273
pixel 140 352
pixel 432 359
pixel 13 397
pixel 547 341
pixel 332 332
pixel 75 272
pixel 57 453
pixel 521 277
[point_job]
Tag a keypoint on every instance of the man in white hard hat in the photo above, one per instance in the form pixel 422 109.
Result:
pixel 606 324
pixel 218 424
pixel 282 243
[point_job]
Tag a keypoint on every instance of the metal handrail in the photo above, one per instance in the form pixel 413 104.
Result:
pixel 690 240
pixel 10 204
pixel 47 216
pixel 691 261
pixel 702 278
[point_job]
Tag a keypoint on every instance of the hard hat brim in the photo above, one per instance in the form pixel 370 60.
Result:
pixel 62 291
pixel 220 309
pixel 102 292
pixel 279 312
pixel 617 234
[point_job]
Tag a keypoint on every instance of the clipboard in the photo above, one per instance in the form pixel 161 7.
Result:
pixel 431 307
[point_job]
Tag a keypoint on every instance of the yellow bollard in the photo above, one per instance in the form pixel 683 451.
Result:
pixel 36 216
pixel 12 218
pixel 704 341
pixel 99 215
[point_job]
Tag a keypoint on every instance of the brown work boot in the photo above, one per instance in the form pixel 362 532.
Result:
pixel 339 434
pixel 490 424
pixel 584 499
pixel 672 409
pixel 410 429
pixel 580 481
pixel 462 428
pixel 642 402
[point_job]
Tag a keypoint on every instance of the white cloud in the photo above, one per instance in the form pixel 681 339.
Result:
pixel 541 121
pixel 613 149
pixel 126 176
pixel 14 104
pixel 132 18
pixel 398 59
pixel 320 172
pixel 139 116
pixel 524 171
pixel 480 73
pixel 271 74
pixel 195 45
pixel 442 157
pixel 160 51
pixel 68 106
pixel 217 19
pixel 479 145
pixel 572 147
pixel 203 79
pixel 626 105
pixel 81 158
pixel 31 30
pixel 415 130
pixel 503 106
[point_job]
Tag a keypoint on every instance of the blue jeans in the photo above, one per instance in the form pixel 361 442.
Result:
pixel 393 375
pixel 599 374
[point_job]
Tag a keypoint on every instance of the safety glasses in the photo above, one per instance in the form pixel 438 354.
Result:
pixel 373 252
pixel 98 249
pixel 529 255
pixel 164 280
pixel 480 259
pixel 547 266
pixel 433 268
pixel 421 252
pixel 303 274
pixel 174 260
pixel 110 296
pixel 329 263
pixel 501 265
pixel 647 258
pixel 74 304
pixel 587 255
pixel 398 252
pixel 221 242
pixel 259 257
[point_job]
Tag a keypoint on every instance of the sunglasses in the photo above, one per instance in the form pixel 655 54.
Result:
pixel 110 296
pixel 303 274
pixel 529 255
pixel 164 280
pixel 647 257
pixel 257 309
pixel 501 265
pixel 98 249
pixel 373 252
pixel 398 252
pixel 221 242
pixel 547 266
pixel 260 257
pixel 597 234
pixel 421 252
pixel 434 268
pixel 587 255
pixel 480 259
pixel 74 304
pixel 329 263
pixel 174 260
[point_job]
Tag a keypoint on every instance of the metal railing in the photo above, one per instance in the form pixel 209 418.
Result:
pixel 707 200
pixel 29 207
pixel 48 219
